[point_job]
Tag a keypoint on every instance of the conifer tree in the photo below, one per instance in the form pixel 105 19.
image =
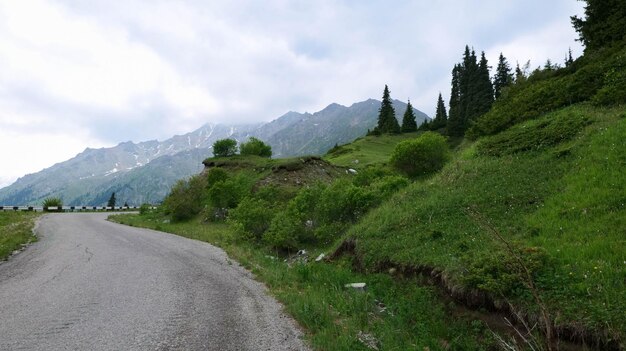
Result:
pixel 503 77
pixel 604 23
pixel 568 59
pixel 408 121
pixel 472 92
pixel 387 122
pixel 484 89
pixel 111 202
pixel 424 126
pixel 441 116
pixel 468 88
pixel 454 127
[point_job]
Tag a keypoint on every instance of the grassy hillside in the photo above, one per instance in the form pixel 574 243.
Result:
pixel 554 188
pixel 366 151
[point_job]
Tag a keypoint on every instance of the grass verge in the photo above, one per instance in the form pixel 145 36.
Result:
pixel 16 230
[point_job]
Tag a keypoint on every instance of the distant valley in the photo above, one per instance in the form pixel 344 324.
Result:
pixel 144 172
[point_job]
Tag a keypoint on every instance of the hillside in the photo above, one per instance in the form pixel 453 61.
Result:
pixel 554 189
pixel 366 151
pixel 526 221
pixel 144 172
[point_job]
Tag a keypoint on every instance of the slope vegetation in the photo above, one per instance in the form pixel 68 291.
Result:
pixel 554 189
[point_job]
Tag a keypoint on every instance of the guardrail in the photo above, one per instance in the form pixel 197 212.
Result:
pixel 71 208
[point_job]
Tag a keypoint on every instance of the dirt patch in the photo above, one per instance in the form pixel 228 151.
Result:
pixel 301 172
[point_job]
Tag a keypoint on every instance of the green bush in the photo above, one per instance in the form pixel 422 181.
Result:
pixel 255 147
pixel 370 174
pixel 52 202
pixel 216 175
pixel 343 201
pixel 276 195
pixel 614 90
pixel 228 193
pixel 253 216
pixel 289 227
pixel 421 156
pixel 225 148
pixel 185 200
pixel 322 212
pixel 284 230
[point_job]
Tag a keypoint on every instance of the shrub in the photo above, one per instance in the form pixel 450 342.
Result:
pixel 255 147
pixel 185 200
pixel 370 174
pixel 276 195
pixel 52 202
pixel 216 175
pixel 284 231
pixel 228 193
pixel 224 148
pixel 421 156
pixel 289 227
pixel 343 201
pixel 253 216
pixel 614 90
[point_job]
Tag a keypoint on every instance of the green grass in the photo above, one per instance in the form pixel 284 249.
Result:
pixel 368 150
pixel 16 229
pixel 562 205
pixel 333 316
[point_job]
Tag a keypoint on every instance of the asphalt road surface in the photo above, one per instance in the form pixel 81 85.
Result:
pixel 90 284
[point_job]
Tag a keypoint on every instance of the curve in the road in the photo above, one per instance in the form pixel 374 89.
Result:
pixel 90 284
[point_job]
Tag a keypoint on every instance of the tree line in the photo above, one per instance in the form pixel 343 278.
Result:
pixel 473 91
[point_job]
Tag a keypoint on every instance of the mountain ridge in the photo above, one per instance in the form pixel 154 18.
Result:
pixel 93 174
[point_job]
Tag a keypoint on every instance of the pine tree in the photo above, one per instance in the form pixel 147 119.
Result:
pixel 387 122
pixel 568 59
pixel 425 125
pixel 111 202
pixel 441 116
pixel 472 92
pixel 503 77
pixel 468 89
pixel 604 23
pixel 408 121
pixel 484 89
pixel 454 127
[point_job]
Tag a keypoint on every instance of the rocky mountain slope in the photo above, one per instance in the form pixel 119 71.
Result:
pixel 144 172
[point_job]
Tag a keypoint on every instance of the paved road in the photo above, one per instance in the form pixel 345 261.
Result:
pixel 89 284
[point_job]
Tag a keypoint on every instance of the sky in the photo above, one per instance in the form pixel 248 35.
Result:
pixel 94 73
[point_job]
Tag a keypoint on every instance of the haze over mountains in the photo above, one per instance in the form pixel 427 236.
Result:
pixel 144 172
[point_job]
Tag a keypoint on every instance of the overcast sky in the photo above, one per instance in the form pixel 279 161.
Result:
pixel 91 73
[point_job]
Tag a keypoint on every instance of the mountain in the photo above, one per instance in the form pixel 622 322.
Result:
pixel 336 124
pixel 145 171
